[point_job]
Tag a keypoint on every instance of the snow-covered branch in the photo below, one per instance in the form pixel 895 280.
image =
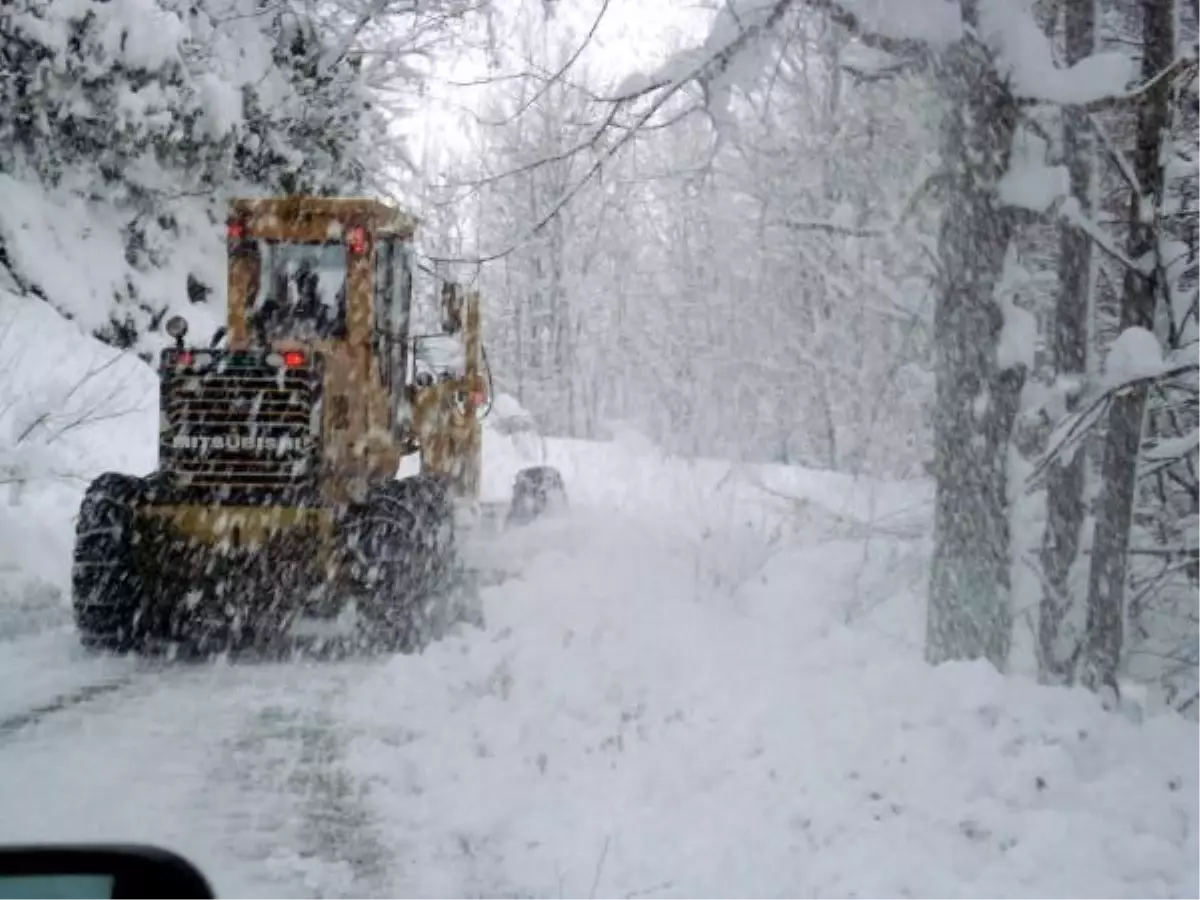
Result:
pixel 830 227
pixel 1072 213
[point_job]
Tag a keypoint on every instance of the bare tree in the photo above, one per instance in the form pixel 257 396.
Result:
pixel 1058 646
pixel 969 609
pixel 1141 290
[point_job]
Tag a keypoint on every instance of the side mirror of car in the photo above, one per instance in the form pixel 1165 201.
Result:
pixel 99 871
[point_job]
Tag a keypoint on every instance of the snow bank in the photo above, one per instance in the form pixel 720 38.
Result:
pixel 630 474
pixel 614 734
pixel 70 408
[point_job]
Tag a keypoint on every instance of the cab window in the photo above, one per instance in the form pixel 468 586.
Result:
pixel 301 290
pixel 402 287
pixel 383 285
pixel 441 356
pixel 393 300
pixel 383 339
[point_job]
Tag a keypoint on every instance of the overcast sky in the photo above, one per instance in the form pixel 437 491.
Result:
pixel 633 35
pixel 636 33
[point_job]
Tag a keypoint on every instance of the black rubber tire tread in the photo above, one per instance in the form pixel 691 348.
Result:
pixel 536 490
pixel 106 591
pixel 402 549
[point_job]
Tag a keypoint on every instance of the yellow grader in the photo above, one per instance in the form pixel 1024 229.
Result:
pixel 276 500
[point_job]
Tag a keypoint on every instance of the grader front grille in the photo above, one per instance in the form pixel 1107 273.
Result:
pixel 238 424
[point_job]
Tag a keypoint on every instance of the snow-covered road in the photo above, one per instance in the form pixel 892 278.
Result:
pixel 238 766
pixel 660 706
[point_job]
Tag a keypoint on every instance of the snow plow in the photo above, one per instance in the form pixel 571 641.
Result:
pixel 275 510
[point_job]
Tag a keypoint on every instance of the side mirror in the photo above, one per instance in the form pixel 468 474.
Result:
pixel 177 327
pixel 101 871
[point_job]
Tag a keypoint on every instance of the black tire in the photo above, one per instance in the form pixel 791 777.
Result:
pixel 106 590
pixel 536 490
pixel 402 552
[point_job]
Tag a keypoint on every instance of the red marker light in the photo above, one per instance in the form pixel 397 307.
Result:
pixel 185 358
pixel 477 399
pixel 293 359
pixel 236 231
pixel 356 239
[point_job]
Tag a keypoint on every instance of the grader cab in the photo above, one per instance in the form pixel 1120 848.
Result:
pixel 275 500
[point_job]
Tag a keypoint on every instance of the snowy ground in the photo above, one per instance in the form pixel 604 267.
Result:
pixel 690 685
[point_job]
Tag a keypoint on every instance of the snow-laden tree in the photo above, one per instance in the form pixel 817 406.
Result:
pixel 716 338
pixel 779 267
pixel 134 120
pixel 835 171
pixel 1148 451
pixel 1104 635
pixel 1059 632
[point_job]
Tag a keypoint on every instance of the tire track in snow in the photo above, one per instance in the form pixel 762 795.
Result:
pixel 146 678
pixel 64 702
pixel 337 824
pixel 241 761
pixel 50 676
pixel 323 833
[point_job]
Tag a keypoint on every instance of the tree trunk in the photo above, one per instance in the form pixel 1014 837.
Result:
pixel 969 614
pixel 1058 641
pixel 1104 634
